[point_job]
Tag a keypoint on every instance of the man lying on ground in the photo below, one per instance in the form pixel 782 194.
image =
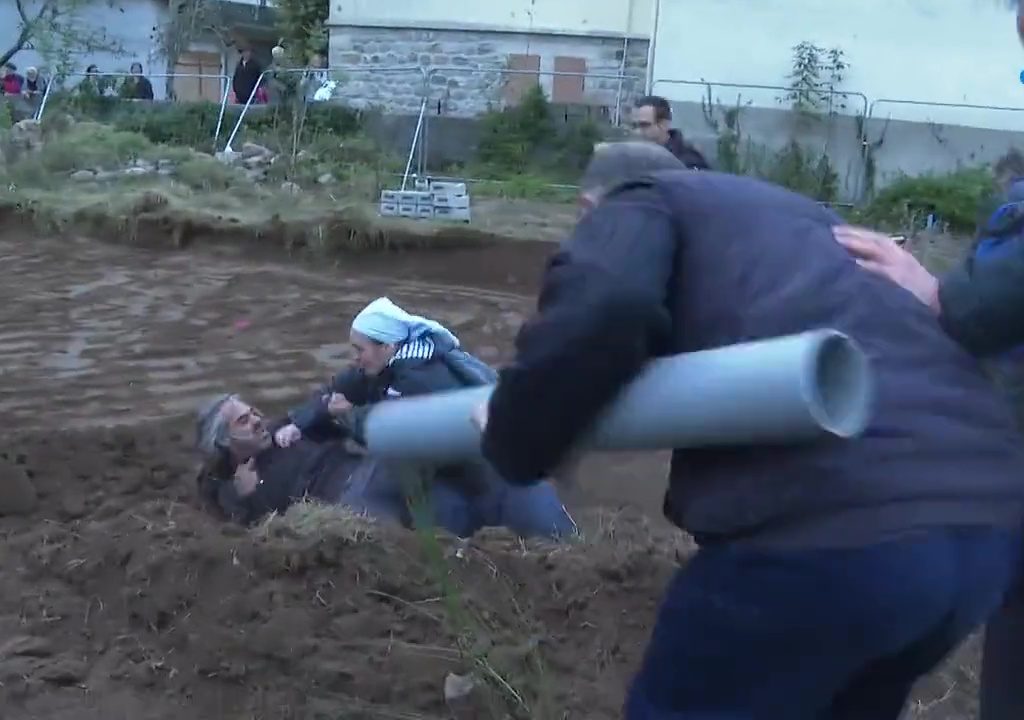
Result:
pixel 402 355
pixel 832 574
pixel 246 476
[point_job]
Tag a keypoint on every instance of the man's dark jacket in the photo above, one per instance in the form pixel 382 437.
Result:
pixel 983 302
pixel 686 153
pixel 305 469
pixel 244 80
pixel 688 261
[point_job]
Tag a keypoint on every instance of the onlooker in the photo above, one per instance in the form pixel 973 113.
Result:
pixel 246 77
pixel 652 120
pixel 34 86
pixel 95 83
pixel 138 86
pixel 980 305
pixel 11 83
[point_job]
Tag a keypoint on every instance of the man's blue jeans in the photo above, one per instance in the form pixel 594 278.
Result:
pixel 830 634
pixel 529 511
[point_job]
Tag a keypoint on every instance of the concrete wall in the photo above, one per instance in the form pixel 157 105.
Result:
pixel 471 81
pixel 896 147
pixel 948 51
pixel 572 17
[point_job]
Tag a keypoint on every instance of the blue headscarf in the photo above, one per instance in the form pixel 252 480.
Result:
pixel 385 322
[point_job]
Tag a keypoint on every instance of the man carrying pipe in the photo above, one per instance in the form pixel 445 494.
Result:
pixel 981 305
pixel 831 575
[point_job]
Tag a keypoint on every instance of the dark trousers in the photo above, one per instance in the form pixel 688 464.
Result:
pixel 839 634
pixel 1002 669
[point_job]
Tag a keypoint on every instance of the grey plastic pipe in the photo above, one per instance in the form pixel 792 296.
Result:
pixel 783 390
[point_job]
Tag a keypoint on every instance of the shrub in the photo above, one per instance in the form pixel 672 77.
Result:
pixel 957 200
pixel 193 124
pixel 528 137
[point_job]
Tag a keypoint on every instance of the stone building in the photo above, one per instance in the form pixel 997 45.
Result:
pixel 591 57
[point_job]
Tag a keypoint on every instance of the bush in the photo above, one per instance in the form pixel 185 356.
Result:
pixel 958 200
pixel 91 146
pixel 527 138
pixel 796 168
pixel 193 124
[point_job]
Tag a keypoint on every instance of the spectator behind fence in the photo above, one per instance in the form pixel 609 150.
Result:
pixel 138 86
pixel 246 77
pixel 11 82
pixel 652 120
pixel 35 84
pixel 95 83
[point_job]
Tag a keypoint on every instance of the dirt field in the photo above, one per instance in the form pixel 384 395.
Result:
pixel 120 600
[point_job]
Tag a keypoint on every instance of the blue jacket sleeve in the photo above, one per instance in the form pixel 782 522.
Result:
pixel 982 302
pixel 601 315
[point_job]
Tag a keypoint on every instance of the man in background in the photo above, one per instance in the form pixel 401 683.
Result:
pixel 652 120
pixel 247 74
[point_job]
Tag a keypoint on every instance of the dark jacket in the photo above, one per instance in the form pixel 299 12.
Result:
pixel 689 261
pixel 982 300
pixel 137 88
pixel 245 79
pixel 686 153
pixel 419 368
pixel 287 475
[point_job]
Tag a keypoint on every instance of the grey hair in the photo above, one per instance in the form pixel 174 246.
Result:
pixel 211 426
pixel 616 162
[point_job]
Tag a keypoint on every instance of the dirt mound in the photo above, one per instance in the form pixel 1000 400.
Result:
pixel 120 599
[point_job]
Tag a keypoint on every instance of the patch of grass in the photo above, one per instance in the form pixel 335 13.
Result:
pixel 206 173
pixel 309 519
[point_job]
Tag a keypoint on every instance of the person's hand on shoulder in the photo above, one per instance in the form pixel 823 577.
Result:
pixel 878 253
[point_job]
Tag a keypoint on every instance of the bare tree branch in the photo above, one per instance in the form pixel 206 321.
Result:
pixel 56 30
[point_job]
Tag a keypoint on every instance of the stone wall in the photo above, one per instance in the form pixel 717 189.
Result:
pixel 461 70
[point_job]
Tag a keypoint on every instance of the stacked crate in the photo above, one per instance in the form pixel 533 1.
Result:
pixel 451 201
pixel 429 199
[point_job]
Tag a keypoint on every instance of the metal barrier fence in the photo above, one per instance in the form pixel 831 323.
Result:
pixel 921 137
pixel 58 84
pixel 416 72
pixel 821 130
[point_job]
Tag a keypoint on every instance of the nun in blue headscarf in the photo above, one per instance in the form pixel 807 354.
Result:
pixel 398 354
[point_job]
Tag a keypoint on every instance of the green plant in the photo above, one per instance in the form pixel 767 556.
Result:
pixel 955 200
pixel 816 74
pixel 205 173
pixel 91 146
pixel 796 168
pixel 6 116
pixel 302 27
pixel 526 138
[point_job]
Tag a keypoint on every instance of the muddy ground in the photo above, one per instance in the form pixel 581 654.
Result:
pixel 119 599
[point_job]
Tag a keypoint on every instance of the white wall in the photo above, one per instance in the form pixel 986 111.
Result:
pixel 130 22
pixel 588 17
pixel 951 51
